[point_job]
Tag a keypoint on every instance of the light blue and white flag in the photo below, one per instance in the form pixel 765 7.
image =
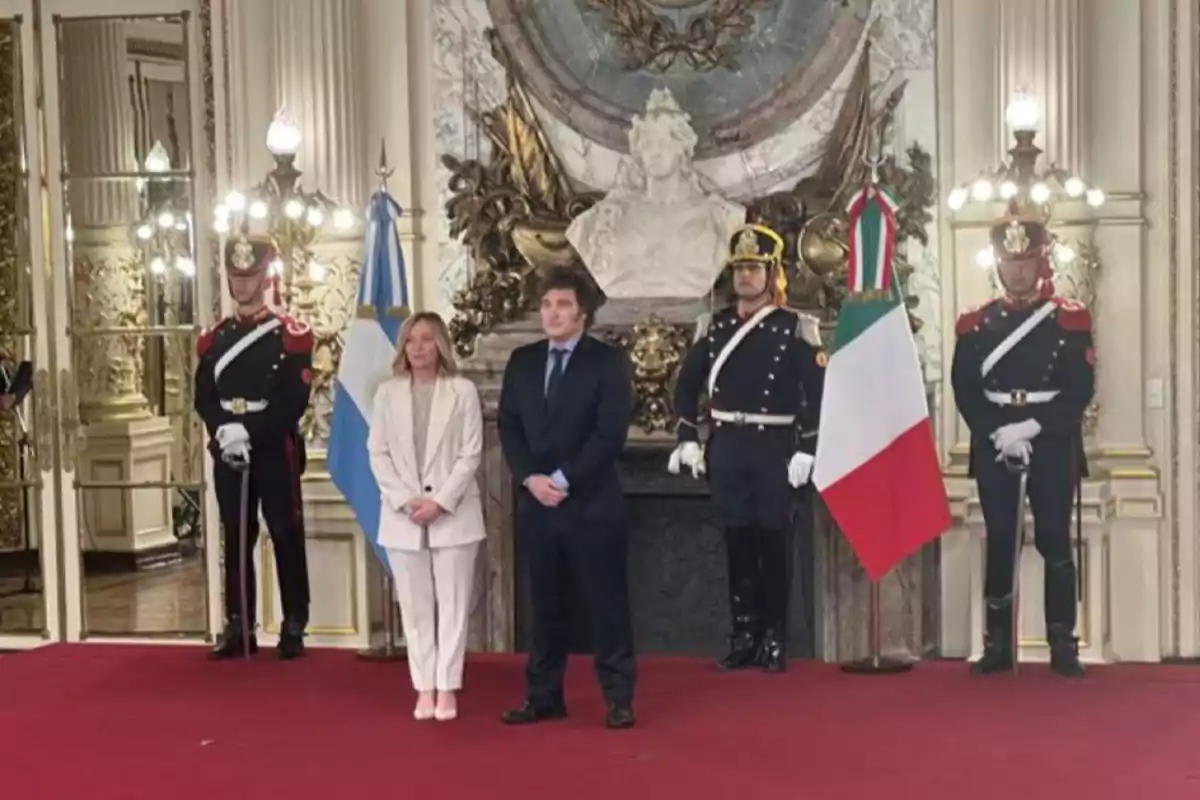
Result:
pixel 367 362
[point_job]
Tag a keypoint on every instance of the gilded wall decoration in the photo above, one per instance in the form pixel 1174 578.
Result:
pixel 656 350
pixel 109 294
pixel 13 278
pixel 706 39
pixel 328 309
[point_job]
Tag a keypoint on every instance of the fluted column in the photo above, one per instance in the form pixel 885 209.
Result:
pixel 319 77
pixel 98 135
pixel 1041 52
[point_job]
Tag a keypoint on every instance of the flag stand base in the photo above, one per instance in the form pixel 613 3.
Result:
pixel 876 664
pixel 388 651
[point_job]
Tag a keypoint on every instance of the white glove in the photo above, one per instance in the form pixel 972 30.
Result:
pixel 1020 450
pixel 800 469
pixel 1006 436
pixel 236 453
pixel 230 433
pixel 686 455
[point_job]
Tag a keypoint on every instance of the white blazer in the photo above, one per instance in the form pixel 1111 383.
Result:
pixel 453 448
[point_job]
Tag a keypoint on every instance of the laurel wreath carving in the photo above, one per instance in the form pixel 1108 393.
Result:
pixel 708 40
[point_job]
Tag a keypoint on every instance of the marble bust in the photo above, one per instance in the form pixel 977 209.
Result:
pixel 661 232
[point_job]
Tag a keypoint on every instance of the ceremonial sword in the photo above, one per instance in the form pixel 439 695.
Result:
pixel 1022 468
pixel 243 556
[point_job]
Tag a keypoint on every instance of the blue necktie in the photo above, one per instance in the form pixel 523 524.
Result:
pixel 556 373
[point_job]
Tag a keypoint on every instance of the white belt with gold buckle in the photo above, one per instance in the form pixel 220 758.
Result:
pixel 240 405
pixel 743 418
pixel 1020 397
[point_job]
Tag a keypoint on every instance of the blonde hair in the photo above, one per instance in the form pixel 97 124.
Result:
pixel 447 365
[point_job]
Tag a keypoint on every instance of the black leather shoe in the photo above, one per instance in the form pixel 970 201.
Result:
pixel 619 718
pixel 743 652
pixel 229 644
pixel 528 714
pixel 291 641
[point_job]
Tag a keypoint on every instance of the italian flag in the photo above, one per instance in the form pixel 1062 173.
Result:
pixel 877 465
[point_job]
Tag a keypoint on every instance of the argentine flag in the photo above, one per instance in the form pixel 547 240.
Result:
pixel 367 362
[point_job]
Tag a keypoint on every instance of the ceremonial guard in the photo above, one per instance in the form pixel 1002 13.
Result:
pixel 253 384
pixel 762 367
pixel 1023 375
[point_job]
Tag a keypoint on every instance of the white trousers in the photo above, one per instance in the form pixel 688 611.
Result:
pixel 434 589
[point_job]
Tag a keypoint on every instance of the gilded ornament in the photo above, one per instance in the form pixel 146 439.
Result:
pixel 656 350
pixel 1015 238
pixel 707 40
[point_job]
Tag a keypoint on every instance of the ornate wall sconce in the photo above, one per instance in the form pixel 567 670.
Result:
pixel 1019 178
pixel 293 216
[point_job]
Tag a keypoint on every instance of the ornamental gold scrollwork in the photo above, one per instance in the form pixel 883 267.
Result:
pixel 68 400
pixel 14 290
pixel 656 349
pixel 512 213
pixel 331 306
pixel 707 40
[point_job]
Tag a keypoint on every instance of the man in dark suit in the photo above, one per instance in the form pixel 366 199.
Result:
pixel 565 410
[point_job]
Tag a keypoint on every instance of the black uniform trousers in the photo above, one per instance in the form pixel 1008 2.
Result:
pixel 753 501
pixel 1050 489
pixel 275 472
pixel 565 552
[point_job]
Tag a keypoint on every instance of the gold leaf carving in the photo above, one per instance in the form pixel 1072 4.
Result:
pixel 707 40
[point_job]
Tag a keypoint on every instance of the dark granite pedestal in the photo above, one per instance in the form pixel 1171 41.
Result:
pixel 678 590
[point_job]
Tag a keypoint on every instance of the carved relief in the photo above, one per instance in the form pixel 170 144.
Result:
pixel 13 285
pixel 328 309
pixel 707 40
pixel 109 295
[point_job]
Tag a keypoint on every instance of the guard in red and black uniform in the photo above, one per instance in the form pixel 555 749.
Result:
pixel 762 367
pixel 253 385
pixel 1023 376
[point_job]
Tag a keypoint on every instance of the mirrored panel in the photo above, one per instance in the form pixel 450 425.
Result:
pixel 130 272
pixel 22 588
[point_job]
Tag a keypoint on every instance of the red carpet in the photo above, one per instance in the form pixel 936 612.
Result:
pixel 91 722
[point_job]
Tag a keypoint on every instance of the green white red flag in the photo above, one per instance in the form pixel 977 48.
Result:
pixel 877 465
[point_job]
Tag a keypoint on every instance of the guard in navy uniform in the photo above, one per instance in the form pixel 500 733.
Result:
pixel 762 367
pixel 253 384
pixel 1023 376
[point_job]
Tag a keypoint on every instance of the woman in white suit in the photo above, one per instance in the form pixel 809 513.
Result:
pixel 425 444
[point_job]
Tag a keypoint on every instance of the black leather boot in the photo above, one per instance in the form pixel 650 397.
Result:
pixel 229 643
pixel 743 601
pixel 773 652
pixel 997 641
pixel 291 640
pixel 1064 652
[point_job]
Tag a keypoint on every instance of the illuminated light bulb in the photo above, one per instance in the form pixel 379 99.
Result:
pixel 981 191
pixel 221 225
pixel 157 159
pixel 1023 113
pixel 185 266
pixel 315 217
pixel 294 209
pixel 1074 187
pixel 957 199
pixel 235 202
pixel 158 266
pixel 1008 190
pixel 166 220
pixel 985 258
pixel 1095 197
pixel 181 225
pixel 1039 193
pixel 145 232
pixel 221 212
pixel 1064 253
pixel 258 209
pixel 283 136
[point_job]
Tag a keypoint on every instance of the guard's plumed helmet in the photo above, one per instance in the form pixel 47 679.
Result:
pixel 249 255
pixel 758 244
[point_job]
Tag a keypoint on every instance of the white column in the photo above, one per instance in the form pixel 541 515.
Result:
pixel 98 121
pixel 1041 52
pixel 319 77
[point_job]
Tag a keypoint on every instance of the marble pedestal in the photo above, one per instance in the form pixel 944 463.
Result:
pixel 835 609
pixel 127 528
